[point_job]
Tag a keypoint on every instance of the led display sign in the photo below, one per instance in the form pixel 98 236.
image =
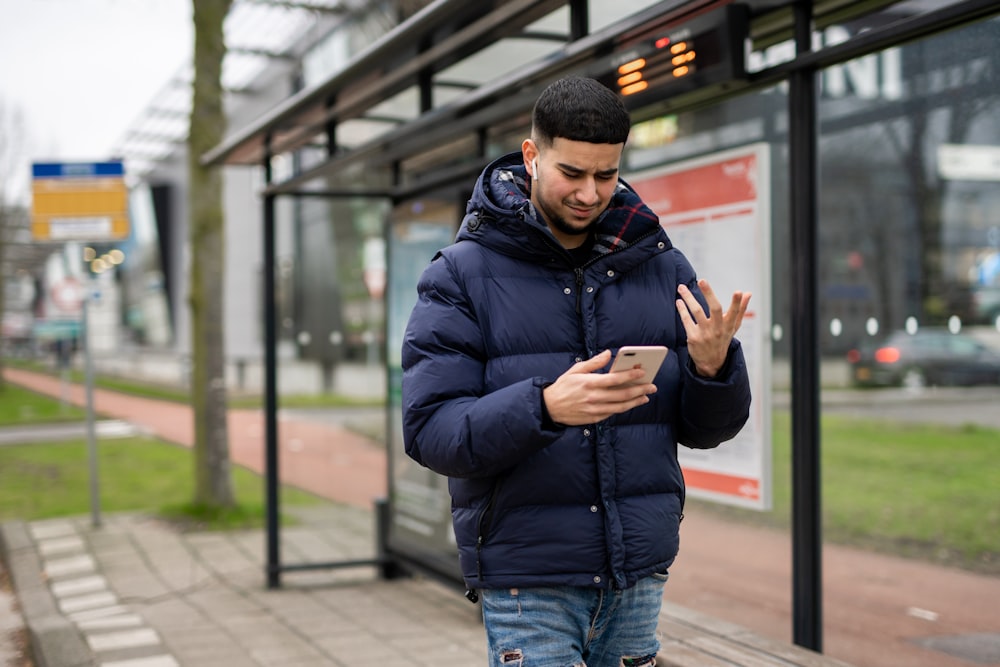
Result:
pixel 703 53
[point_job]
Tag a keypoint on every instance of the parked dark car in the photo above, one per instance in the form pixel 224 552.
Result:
pixel 927 357
pixel 986 304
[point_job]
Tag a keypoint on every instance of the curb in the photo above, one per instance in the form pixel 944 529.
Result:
pixel 55 641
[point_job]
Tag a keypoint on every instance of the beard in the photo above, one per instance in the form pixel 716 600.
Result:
pixel 561 224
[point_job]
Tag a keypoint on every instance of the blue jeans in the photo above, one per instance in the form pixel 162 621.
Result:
pixel 568 626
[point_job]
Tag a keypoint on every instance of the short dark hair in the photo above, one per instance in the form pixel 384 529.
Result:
pixel 580 109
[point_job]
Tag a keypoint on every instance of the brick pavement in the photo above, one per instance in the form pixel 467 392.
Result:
pixel 137 592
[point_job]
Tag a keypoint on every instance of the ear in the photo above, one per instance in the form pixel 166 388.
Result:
pixel 530 153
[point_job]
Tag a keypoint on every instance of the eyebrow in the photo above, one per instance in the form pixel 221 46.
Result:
pixel 576 170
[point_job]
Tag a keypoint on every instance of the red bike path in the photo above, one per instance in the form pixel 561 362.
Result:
pixel 878 611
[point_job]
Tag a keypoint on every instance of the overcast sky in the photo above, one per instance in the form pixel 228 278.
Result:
pixel 80 72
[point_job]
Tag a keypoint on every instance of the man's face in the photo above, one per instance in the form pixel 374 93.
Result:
pixel 575 181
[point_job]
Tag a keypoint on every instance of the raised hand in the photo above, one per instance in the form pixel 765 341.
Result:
pixel 709 335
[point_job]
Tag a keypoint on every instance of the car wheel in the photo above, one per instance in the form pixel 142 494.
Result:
pixel 914 379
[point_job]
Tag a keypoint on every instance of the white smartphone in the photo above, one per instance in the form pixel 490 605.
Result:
pixel 647 357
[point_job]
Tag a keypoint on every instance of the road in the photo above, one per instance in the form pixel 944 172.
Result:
pixel 956 406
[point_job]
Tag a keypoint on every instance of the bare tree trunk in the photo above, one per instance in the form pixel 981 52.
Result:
pixel 213 479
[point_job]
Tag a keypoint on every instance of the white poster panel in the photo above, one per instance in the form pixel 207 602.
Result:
pixel 716 210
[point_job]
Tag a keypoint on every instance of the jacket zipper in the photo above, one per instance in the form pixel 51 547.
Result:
pixel 579 289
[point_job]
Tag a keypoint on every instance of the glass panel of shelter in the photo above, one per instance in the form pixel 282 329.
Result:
pixel 899 238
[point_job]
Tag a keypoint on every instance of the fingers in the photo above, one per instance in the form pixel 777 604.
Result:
pixel 602 402
pixel 685 314
pixel 734 315
pixel 688 307
pixel 709 293
pixel 691 310
pixel 595 363
pixel 741 300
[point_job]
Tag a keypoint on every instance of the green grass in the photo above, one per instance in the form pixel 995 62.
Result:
pixel 941 493
pixel 45 480
pixel 918 490
pixel 22 407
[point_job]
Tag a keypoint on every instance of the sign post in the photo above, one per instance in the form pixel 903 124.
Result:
pixel 95 488
pixel 88 202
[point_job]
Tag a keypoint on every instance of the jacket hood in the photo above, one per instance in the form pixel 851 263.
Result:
pixel 500 214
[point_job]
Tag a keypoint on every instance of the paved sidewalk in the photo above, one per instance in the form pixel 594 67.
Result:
pixel 137 592
pixel 103 429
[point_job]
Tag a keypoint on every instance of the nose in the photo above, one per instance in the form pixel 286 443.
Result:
pixel 587 192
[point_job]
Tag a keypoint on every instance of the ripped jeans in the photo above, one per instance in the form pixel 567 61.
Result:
pixel 573 627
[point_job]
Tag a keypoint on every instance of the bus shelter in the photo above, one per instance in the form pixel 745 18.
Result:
pixel 410 121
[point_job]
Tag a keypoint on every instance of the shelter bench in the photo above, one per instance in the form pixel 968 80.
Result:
pixel 692 639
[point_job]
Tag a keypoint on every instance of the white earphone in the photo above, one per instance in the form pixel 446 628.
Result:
pixel 534 169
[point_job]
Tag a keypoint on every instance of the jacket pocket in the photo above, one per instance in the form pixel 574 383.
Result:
pixel 484 525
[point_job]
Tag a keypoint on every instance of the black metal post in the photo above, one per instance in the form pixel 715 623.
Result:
pixel 579 19
pixel 388 567
pixel 807 575
pixel 271 475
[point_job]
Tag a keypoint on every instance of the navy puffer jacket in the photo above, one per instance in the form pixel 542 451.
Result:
pixel 503 312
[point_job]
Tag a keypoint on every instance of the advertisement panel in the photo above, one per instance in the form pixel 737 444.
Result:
pixel 420 507
pixel 716 210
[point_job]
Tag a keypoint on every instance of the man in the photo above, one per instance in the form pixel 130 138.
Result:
pixel 566 491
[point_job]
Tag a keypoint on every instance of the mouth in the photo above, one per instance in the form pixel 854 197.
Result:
pixel 581 212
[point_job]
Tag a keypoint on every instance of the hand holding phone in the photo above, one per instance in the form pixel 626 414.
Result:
pixel 647 357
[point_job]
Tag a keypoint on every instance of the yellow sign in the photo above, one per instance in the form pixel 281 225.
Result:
pixel 79 202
